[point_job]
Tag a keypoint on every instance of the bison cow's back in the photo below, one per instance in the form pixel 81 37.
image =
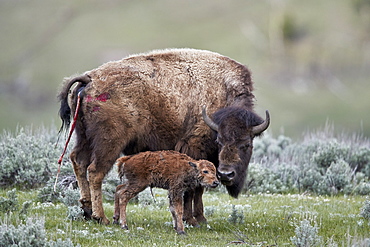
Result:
pixel 181 76
pixel 157 97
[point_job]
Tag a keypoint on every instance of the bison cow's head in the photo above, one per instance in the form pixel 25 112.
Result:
pixel 236 127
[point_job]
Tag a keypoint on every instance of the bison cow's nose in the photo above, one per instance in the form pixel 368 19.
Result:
pixel 226 176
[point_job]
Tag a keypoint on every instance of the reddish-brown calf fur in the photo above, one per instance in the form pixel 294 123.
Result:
pixel 168 170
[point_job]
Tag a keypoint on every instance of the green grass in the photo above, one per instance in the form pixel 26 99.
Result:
pixel 264 220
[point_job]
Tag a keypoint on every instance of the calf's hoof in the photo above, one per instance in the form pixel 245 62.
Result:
pixel 181 232
pixel 124 227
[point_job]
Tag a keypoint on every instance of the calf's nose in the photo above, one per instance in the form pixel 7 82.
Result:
pixel 215 184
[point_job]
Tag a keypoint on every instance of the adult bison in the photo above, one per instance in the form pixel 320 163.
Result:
pixel 154 102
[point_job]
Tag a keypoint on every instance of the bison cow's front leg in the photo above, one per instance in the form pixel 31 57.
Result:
pixel 198 205
pixel 188 209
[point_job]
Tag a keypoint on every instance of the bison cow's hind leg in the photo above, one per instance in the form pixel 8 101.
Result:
pixel 80 158
pixel 97 170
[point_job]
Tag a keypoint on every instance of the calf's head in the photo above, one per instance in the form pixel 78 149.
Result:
pixel 206 173
pixel 236 127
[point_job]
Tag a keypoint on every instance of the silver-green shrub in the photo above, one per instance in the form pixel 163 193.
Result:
pixel 70 198
pixel 266 146
pixel 306 235
pixel 360 160
pixel 264 179
pixel 322 163
pixel 32 233
pixel 310 178
pixel 329 152
pixel 47 193
pixel 110 183
pixel 10 202
pixel 365 210
pixel 29 159
pixel 338 177
pixel 236 216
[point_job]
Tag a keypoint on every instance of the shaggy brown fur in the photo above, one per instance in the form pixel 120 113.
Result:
pixel 169 170
pixel 150 102
pixel 236 128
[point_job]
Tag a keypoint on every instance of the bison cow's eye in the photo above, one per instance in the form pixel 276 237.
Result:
pixel 206 172
pixel 244 146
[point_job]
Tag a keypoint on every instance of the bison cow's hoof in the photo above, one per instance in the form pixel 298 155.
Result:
pixel 181 232
pixel 101 220
pixel 116 220
pixel 124 227
pixel 193 222
pixel 201 219
pixel 86 207
pixel 87 213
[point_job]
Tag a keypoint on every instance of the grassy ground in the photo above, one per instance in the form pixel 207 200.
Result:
pixel 253 220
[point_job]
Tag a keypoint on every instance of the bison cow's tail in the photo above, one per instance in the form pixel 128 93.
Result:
pixel 65 109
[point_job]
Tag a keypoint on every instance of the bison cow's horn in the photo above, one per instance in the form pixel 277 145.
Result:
pixel 208 120
pixel 256 130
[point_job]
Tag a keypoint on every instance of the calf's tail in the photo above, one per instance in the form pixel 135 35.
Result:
pixel 120 163
pixel 65 109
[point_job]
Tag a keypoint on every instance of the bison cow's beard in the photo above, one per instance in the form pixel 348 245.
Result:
pixel 236 186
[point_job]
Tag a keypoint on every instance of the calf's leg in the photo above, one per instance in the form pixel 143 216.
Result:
pixel 116 215
pixel 177 210
pixel 124 193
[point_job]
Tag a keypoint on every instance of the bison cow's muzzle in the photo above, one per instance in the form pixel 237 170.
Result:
pixel 226 176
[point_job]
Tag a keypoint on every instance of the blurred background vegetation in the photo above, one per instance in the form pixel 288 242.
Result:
pixel 310 59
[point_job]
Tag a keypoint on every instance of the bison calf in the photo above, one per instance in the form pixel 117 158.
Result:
pixel 170 170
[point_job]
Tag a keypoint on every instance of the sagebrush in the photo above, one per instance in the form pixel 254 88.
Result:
pixel 322 163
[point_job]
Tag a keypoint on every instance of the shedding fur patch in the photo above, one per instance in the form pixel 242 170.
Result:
pixel 102 98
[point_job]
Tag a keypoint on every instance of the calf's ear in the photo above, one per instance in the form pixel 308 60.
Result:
pixel 193 164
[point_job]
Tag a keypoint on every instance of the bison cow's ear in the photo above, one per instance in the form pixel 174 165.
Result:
pixel 193 164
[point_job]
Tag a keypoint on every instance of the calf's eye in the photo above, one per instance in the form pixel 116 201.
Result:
pixel 206 172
